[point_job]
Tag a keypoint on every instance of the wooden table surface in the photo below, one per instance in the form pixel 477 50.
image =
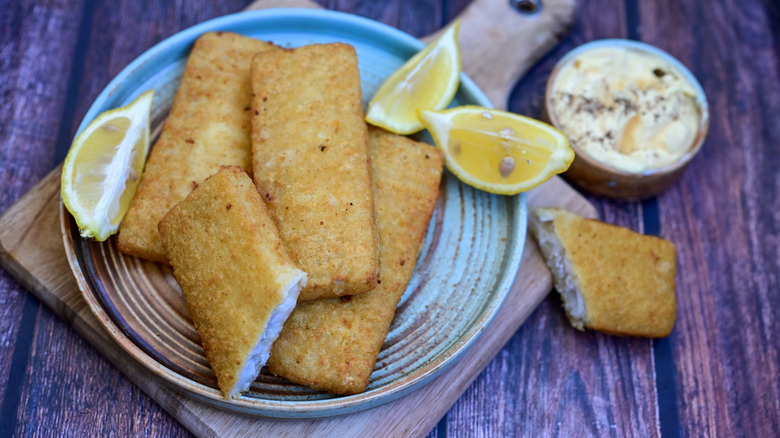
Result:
pixel 717 374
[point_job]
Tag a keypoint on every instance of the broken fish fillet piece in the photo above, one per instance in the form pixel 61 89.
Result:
pixel 236 277
pixel 208 127
pixel 310 164
pixel 332 344
pixel 610 278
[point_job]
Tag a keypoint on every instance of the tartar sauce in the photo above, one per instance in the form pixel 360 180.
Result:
pixel 626 107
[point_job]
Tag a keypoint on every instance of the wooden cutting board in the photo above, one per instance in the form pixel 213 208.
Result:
pixel 498 46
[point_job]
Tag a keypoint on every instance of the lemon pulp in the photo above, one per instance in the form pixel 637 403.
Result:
pixel 428 80
pixel 103 167
pixel 497 151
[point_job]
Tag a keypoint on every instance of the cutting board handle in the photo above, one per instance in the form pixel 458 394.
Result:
pixel 498 43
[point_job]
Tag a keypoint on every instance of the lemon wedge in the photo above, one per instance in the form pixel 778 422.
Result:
pixel 102 169
pixel 428 80
pixel 498 151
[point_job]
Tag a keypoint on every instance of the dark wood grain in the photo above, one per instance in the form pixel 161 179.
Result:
pixel 59 395
pixel 30 107
pixel 723 215
pixel 549 380
pixel 416 18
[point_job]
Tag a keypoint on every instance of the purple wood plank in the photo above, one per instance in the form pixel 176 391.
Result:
pixel 71 387
pixel 418 18
pixel 30 110
pixel 723 215
pixel 550 380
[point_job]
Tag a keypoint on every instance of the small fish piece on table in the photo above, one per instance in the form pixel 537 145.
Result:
pixel 610 278
pixel 207 128
pixel 310 164
pixel 235 274
pixel 332 344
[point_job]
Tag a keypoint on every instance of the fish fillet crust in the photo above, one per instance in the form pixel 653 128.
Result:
pixel 236 277
pixel 208 127
pixel 310 164
pixel 610 278
pixel 332 344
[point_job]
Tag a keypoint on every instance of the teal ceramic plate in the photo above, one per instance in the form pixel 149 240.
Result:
pixel 468 262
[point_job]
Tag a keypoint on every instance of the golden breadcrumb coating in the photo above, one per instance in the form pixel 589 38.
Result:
pixel 208 127
pixel 233 271
pixel 332 344
pixel 611 279
pixel 310 164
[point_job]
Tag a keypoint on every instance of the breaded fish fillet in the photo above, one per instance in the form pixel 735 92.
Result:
pixel 610 278
pixel 238 280
pixel 332 344
pixel 208 127
pixel 310 164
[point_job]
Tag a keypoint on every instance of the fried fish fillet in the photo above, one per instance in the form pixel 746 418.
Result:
pixel 208 127
pixel 311 166
pixel 332 344
pixel 610 278
pixel 238 280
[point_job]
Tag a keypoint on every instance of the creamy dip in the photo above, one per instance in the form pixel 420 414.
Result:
pixel 626 107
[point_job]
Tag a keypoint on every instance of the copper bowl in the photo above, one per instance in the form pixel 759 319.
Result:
pixel 600 177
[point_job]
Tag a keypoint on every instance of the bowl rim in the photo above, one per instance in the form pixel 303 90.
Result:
pixel 701 101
